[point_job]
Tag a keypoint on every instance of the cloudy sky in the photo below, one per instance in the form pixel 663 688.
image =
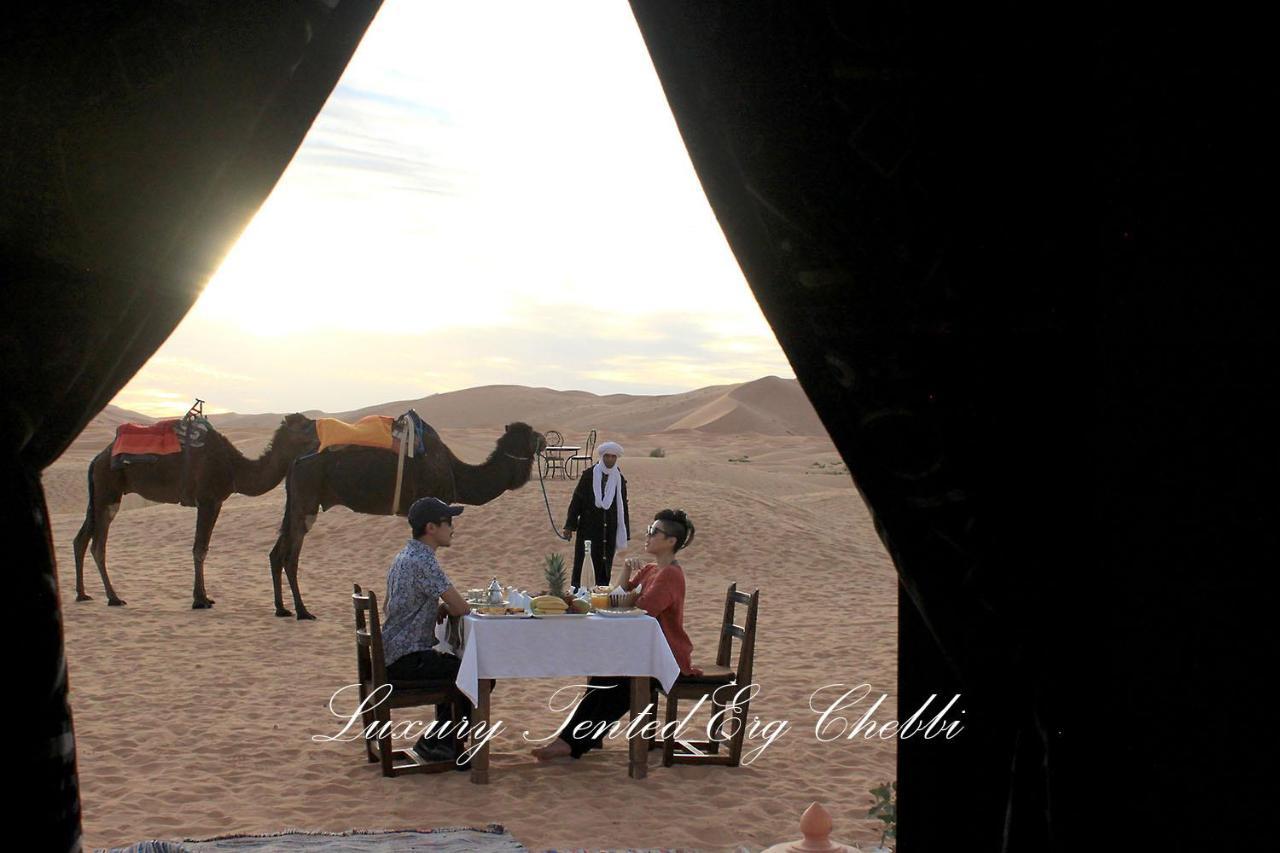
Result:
pixel 496 192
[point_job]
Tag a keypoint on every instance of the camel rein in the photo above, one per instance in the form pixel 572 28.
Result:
pixel 547 501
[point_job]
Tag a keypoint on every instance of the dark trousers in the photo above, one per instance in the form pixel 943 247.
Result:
pixel 603 546
pixel 426 665
pixel 600 708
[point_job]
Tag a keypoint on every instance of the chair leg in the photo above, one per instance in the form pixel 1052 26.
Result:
pixel 368 718
pixel 735 745
pixel 717 710
pixel 669 742
pixel 385 753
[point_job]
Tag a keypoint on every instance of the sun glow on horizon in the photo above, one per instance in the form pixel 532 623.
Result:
pixel 475 205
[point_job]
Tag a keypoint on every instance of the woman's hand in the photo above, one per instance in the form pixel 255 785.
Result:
pixel 631 564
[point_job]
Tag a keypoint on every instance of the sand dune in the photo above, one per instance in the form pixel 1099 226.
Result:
pixel 769 406
pixel 195 723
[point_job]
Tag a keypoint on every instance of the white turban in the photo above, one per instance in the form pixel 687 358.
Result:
pixel 610 496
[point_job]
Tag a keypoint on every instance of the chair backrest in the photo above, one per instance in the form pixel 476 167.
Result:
pixel 371 664
pixel 553 438
pixel 745 633
pixel 590 447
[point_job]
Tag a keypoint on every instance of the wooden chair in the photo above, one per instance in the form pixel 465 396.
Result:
pixel 550 461
pixel 715 677
pixel 581 460
pixel 371 669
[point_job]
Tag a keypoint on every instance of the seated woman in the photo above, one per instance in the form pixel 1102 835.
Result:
pixel 661 595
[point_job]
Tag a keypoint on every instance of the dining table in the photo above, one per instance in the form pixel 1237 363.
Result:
pixel 494 647
pixel 555 458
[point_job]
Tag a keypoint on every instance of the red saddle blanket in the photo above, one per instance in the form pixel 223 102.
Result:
pixel 157 439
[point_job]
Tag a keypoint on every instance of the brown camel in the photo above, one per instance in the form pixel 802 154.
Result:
pixel 215 470
pixel 363 479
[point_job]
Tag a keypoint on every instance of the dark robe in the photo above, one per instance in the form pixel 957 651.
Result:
pixel 599 526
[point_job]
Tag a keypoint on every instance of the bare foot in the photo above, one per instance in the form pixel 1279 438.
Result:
pixel 556 749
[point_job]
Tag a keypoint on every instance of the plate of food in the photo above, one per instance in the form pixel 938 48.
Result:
pixel 621 612
pixel 491 612
pixel 554 606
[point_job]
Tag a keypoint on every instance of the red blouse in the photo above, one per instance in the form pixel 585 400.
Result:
pixel 663 599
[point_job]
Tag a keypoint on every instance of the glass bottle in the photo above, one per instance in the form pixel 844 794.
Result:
pixel 588 578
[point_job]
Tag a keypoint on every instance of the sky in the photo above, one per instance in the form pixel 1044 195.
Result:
pixel 495 193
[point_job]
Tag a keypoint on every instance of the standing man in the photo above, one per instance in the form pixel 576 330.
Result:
pixel 599 512
pixel 419 594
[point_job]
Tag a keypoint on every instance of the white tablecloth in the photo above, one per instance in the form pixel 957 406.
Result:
pixel 571 645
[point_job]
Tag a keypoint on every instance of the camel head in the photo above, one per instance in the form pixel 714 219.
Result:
pixel 521 441
pixel 297 434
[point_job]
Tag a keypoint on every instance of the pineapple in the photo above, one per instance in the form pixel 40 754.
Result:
pixel 554 599
pixel 553 571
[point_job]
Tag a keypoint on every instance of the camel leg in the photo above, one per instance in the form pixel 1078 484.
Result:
pixel 291 569
pixel 102 523
pixel 80 546
pixel 206 518
pixel 278 553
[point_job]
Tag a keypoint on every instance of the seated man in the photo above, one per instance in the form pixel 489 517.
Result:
pixel 419 594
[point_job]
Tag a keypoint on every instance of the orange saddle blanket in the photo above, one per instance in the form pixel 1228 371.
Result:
pixel 371 431
pixel 157 439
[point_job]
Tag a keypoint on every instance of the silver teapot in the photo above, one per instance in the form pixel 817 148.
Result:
pixel 495 592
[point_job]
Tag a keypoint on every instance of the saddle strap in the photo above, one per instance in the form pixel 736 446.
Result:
pixel 406 448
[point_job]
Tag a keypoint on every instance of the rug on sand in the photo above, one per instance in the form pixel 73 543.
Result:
pixel 494 838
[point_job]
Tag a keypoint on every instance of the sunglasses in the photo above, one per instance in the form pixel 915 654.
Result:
pixel 654 528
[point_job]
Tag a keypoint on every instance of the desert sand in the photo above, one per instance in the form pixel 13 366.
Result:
pixel 199 723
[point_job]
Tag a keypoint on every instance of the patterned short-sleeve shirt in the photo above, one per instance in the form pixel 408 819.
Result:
pixel 415 583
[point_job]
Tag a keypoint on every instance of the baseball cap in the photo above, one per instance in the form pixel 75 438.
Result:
pixel 431 510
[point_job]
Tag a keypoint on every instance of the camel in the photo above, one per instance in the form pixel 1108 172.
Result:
pixel 215 471
pixel 363 479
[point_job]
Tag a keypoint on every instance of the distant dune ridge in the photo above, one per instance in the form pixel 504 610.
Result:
pixel 767 406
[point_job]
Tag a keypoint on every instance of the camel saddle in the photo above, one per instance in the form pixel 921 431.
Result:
pixel 148 442
pixel 379 431
pixel 143 443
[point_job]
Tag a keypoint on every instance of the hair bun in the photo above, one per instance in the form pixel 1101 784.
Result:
pixel 681 518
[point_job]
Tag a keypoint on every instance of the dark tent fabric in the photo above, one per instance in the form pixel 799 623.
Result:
pixel 1015 261
pixel 880 207
pixel 139 139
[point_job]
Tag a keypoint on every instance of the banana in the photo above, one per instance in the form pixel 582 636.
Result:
pixel 549 604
